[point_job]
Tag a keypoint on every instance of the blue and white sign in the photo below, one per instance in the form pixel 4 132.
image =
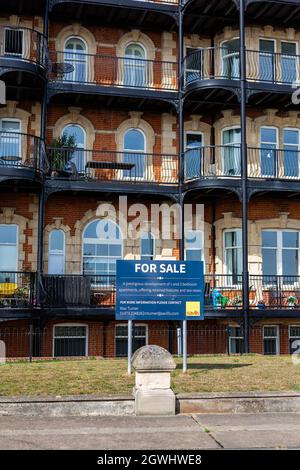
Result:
pixel 160 290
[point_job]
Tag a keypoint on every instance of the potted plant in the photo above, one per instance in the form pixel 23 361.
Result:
pixel 292 300
pixel 60 152
pixel 21 296
pixel 261 304
pixel 237 301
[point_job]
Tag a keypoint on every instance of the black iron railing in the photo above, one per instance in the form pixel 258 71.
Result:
pixel 17 289
pixel 69 67
pixel 223 63
pixel 24 44
pixel 112 166
pixel 223 161
pixel 274 292
pixel 78 290
pixel 212 162
pixel 18 150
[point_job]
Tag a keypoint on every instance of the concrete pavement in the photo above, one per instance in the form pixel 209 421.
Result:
pixel 205 431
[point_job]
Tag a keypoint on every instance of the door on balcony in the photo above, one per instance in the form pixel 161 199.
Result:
pixel 194 245
pixel 134 155
pixel 233 256
pixel 193 155
pixel 291 153
pixel 267 60
pixel 147 246
pixel 10 142
pixel 8 252
pixel 75 54
pixel 194 64
pixel 289 62
pixel 280 257
pixel 230 52
pixel 56 256
pixel 77 155
pixel 135 66
pixel 231 141
pixel 13 43
pixel 268 152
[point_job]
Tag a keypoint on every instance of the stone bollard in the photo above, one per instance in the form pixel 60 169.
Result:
pixel 152 391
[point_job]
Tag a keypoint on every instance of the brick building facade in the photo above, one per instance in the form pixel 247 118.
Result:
pixel 148 100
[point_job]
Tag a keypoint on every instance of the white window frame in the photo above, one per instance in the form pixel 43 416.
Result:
pixel 228 55
pixel 11 132
pixel 17 243
pixel 71 325
pixel 298 147
pixel 277 337
pixel 279 248
pixel 85 54
pixel 228 230
pixel 147 167
pixel 225 129
pixel 92 241
pixel 14 56
pixel 194 133
pixel 262 142
pixel 63 252
pixel 285 55
pixel 195 249
pixel 154 243
pixel 266 53
pixel 79 146
pixel 126 337
pixel 295 338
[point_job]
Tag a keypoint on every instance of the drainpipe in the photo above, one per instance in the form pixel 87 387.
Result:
pixel 244 176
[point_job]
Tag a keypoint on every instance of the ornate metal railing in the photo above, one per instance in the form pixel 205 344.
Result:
pixel 23 44
pixel 21 151
pixel 17 289
pixel 104 165
pixel 80 68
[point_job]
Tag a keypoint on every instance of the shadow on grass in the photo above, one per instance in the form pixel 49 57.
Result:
pixel 214 366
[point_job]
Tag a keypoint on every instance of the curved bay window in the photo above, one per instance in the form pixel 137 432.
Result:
pixel 102 247
pixel 75 54
pixel 134 154
pixel 135 66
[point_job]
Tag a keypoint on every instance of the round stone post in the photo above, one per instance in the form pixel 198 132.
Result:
pixel 152 391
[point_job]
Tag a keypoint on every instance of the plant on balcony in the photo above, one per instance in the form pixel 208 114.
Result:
pixel 61 151
pixel 21 296
pixel 237 301
pixel 292 301
pixel 261 304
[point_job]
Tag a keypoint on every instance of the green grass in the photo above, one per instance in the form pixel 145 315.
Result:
pixel 109 377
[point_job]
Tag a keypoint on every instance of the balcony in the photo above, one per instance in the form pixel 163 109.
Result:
pixel 106 166
pixel 222 163
pixel 78 291
pixel 22 156
pixel 17 290
pixel 102 74
pixel 274 292
pixel 218 67
pixel 22 50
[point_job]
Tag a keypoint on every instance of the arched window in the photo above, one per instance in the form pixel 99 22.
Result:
pixel 56 258
pixel 102 246
pixel 147 246
pixel 75 54
pixel 76 156
pixel 135 66
pixel 134 154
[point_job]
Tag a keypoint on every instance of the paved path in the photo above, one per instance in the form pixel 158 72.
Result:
pixel 265 430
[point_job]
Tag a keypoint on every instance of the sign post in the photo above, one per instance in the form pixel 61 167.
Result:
pixel 129 346
pixel 159 290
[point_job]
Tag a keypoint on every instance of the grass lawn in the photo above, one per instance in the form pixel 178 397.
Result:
pixel 109 377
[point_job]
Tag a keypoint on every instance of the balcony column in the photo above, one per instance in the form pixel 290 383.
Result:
pixel 181 159
pixel 41 213
pixel 244 175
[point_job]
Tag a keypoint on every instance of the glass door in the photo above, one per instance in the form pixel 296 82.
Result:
pixel 193 156
pixel 268 139
pixel 10 143
pixel 231 59
pixel 288 62
pixel 291 153
pixel 267 60
pixel 135 66
pixel 232 152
